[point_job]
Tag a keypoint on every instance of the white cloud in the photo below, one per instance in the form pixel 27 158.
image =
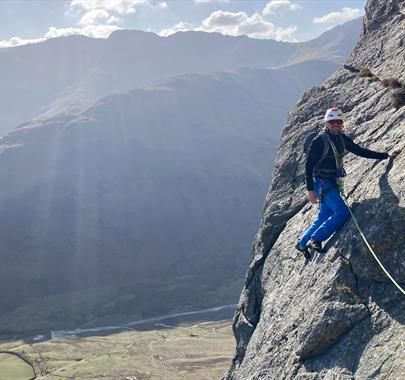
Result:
pixel 240 23
pixel 210 1
pixel 346 14
pixel 94 31
pixel 122 7
pixel 107 11
pixel 99 18
pixel 278 5
pixel 202 1
pixel 114 20
pixel 224 20
pixel 236 24
pixel 16 41
pixel 95 16
pixel 180 27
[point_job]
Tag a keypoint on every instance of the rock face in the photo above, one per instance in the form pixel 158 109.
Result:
pixel 337 316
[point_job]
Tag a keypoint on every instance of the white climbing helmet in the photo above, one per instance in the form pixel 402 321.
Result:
pixel 334 114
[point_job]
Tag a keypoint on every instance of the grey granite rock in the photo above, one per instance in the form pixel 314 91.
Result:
pixel 337 316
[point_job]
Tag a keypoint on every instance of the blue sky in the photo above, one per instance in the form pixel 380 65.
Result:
pixel 284 20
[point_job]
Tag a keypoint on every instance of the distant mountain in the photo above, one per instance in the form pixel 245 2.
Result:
pixel 333 45
pixel 67 71
pixel 140 202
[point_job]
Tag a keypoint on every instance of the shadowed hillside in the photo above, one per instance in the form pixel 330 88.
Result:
pixel 141 203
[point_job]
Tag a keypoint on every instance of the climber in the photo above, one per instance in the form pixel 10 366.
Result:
pixel 324 162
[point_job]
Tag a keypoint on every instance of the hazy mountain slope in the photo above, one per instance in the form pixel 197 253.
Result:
pixel 334 45
pixel 298 75
pixel 161 185
pixel 337 316
pixel 36 76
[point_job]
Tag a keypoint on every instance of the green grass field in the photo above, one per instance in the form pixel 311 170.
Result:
pixel 13 368
pixel 192 351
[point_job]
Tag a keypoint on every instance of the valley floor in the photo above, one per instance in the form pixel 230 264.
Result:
pixel 187 351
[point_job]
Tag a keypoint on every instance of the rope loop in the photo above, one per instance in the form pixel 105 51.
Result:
pixel 371 249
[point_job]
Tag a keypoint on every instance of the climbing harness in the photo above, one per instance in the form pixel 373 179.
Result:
pixel 323 192
pixel 369 247
pixel 340 171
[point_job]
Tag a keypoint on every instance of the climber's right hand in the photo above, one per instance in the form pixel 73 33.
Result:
pixel 312 197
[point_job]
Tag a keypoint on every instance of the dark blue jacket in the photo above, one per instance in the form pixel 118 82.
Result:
pixel 342 143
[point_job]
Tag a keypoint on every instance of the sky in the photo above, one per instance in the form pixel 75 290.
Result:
pixel 30 21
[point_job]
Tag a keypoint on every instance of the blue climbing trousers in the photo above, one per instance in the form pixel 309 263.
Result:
pixel 332 215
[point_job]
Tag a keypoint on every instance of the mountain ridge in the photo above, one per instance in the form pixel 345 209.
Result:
pixel 34 75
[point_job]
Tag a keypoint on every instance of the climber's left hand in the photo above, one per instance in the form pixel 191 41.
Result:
pixel 394 153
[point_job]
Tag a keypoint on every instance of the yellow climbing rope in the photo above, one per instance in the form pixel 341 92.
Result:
pixel 371 249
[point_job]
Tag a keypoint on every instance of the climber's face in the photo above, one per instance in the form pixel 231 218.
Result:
pixel 334 126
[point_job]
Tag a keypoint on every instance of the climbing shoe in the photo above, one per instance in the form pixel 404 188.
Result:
pixel 304 250
pixel 315 245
